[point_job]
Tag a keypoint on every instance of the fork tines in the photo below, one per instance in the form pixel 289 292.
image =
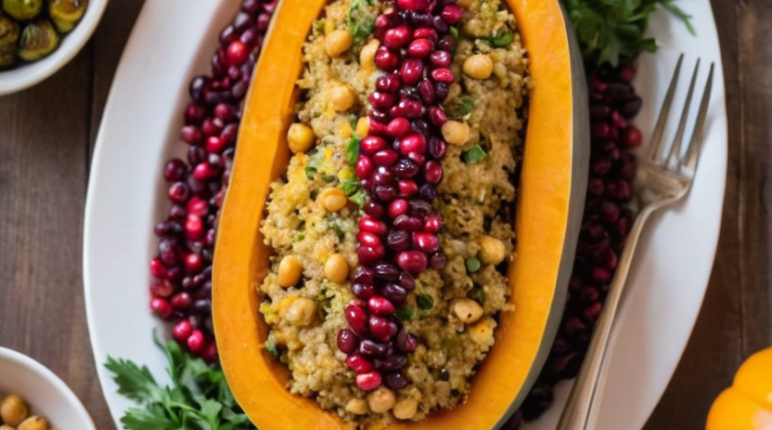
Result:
pixel 674 160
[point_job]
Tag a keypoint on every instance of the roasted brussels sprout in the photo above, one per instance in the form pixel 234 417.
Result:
pixel 38 39
pixel 9 35
pixel 23 10
pixel 66 13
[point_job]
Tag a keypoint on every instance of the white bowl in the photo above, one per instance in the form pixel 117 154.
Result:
pixel 47 395
pixel 29 74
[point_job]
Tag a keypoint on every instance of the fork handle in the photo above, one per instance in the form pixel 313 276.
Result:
pixel 581 409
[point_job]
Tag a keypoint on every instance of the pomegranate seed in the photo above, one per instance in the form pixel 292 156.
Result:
pixel 157 269
pixel 406 342
pixel 627 74
pixel 178 192
pixel 398 240
pixel 433 172
pixel 161 307
pixel 196 341
pixel 443 75
pixel 369 255
pixel 412 261
pixel 237 53
pixel 397 37
pixel 414 143
pixel 407 188
pixel 369 239
pixel 181 301
pixel 425 33
pixel 396 208
pixel 370 380
pixel 194 114
pixel 381 328
pixel 359 364
pixel 382 100
pixel 204 171
pixel 437 116
pixel 398 127
pixel 426 242
pixel 375 210
pixel 182 330
pixel 390 83
pixel 371 144
pixel 633 137
pixel 347 341
pixel 420 48
pixel 370 225
pixel 396 381
pixel 440 59
pixel 386 59
pixel 412 71
pixel 363 291
pixel 175 170
pixel 356 318
pixel 364 166
pixel 380 306
pixel 451 14
pixel 395 293
pixel 194 227
pixel 433 223
pixel 191 134
pixel 382 22
pixel 385 158
pixel 194 264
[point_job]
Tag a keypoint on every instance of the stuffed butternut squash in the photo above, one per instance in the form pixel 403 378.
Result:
pixel 390 250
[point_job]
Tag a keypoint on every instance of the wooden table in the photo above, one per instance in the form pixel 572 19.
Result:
pixel 46 137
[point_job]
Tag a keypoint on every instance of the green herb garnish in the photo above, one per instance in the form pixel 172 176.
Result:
pixel 339 231
pixel 477 294
pixel 613 31
pixel 472 264
pixel 474 155
pixel 453 32
pixel 405 314
pixel 198 398
pixel 349 186
pixel 466 106
pixel 424 301
pixel 502 40
pixel 360 24
pixel 272 349
pixel 352 151
pixel 310 172
pixel 328 178
pixel 359 198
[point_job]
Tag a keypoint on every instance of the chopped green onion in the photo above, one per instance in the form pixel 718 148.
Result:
pixel 359 198
pixel 272 349
pixel 477 294
pixel 454 32
pixel 339 231
pixel 349 186
pixel 467 106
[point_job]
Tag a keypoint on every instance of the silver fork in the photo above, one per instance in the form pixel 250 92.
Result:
pixel 662 180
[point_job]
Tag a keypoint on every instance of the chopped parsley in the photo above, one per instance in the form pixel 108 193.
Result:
pixel 477 294
pixel 465 106
pixel 338 231
pixel 424 301
pixel 474 155
pixel 405 314
pixel 272 349
pixel 349 186
pixel 502 40
pixel 359 198
pixel 360 21
pixel 352 151
pixel 454 32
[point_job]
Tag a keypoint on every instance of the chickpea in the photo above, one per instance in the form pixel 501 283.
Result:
pixel 381 400
pixel 467 310
pixel 363 127
pixel 300 137
pixel 478 66
pixel 357 406
pixel 34 423
pixel 336 268
pixel 367 55
pixel 290 269
pixel 492 250
pixel 13 410
pixel 342 97
pixel 337 42
pixel 482 331
pixel 333 199
pixel 455 132
pixel 301 312
pixel 405 409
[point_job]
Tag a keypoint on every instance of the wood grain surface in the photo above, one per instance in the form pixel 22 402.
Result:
pixel 47 133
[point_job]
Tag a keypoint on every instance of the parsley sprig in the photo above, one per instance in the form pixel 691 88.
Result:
pixel 612 31
pixel 198 399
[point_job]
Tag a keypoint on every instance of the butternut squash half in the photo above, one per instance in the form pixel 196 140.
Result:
pixel 550 204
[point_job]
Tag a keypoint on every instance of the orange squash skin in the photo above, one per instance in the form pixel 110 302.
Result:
pixel 256 379
pixel 747 404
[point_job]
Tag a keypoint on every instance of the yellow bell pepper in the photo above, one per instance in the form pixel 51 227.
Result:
pixel 747 404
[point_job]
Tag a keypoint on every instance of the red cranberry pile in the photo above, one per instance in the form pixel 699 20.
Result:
pixel 399 167
pixel 605 226
pixel 181 288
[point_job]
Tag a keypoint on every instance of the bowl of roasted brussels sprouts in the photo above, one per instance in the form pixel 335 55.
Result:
pixel 38 37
